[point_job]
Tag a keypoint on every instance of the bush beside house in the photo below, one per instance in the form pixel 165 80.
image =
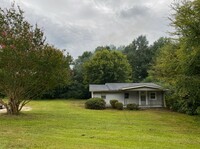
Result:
pixel 95 103
pixel 112 103
pixel 119 105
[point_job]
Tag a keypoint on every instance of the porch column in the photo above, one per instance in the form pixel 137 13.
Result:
pixel 164 102
pixel 92 94
pixel 139 98
pixel 146 98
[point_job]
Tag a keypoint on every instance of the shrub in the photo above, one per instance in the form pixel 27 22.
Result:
pixel 174 103
pixel 132 106
pixel 95 103
pixel 183 105
pixel 119 106
pixel 112 103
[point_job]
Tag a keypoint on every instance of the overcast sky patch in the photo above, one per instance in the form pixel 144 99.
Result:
pixel 80 25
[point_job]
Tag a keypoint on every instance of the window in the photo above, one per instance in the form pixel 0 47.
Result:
pixel 126 95
pixel 153 95
pixel 103 96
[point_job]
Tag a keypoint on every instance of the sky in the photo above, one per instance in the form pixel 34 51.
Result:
pixel 82 25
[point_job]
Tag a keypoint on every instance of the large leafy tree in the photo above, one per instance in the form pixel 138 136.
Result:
pixel 186 21
pixel 139 57
pixel 28 66
pixel 155 52
pixel 107 66
pixel 78 88
pixel 166 67
pixel 61 91
pixel 157 45
pixel 178 63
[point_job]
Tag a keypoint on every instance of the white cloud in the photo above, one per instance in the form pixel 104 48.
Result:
pixel 79 25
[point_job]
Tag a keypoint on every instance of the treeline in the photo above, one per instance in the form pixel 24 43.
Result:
pixel 110 65
pixel 171 62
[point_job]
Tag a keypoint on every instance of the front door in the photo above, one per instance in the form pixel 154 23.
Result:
pixel 143 98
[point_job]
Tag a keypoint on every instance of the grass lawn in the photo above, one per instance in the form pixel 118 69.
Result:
pixel 60 124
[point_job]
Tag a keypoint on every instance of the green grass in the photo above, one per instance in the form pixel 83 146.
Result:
pixel 60 124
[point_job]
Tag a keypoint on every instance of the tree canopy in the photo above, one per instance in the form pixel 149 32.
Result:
pixel 107 66
pixel 139 57
pixel 78 88
pixel 28 66
pixel 178 63
pixel 186 21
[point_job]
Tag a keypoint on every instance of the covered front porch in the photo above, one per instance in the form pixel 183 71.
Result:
pixel 145 98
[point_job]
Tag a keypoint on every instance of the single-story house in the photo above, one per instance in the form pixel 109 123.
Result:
pixel 143 94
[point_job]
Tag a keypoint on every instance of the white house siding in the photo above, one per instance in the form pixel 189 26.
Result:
pixel 133 98
pixel 96 95
pixel 158 102
pixel 110 96
pixel 117 96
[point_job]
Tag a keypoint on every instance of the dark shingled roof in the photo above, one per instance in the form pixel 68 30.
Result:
pixel 122 86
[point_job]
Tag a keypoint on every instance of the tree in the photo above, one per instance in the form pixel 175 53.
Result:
pixel 78 89
pixel 99 48
pixel 166 67
pixel 107 66
pixel 186 21
pixel 28 66
pixel 61 91
pixel 178 63
pixel 178 68
pixel 157 45
pixel 155 51
pixel 139 57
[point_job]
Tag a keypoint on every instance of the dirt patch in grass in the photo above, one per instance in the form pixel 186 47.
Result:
pixel 23 109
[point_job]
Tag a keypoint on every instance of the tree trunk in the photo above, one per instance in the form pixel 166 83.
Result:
pixel 12 107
